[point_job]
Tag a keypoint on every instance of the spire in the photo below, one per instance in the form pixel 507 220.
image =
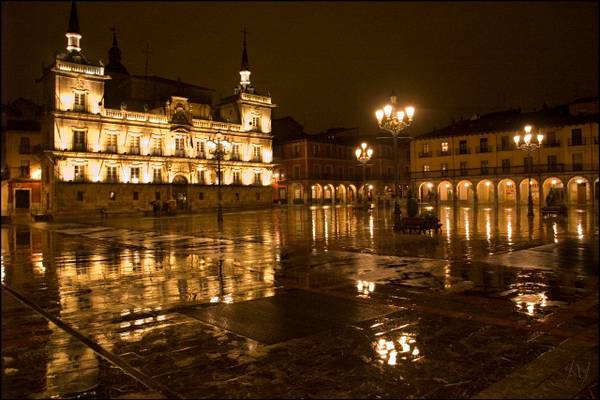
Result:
pixel 114 57
pixel 73 20
pixel 245 64
pixel 245 69
pixel 73 35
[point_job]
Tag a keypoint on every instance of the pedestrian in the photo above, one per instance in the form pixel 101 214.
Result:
pixel 155 208
pixel 165 207
pixel 103 213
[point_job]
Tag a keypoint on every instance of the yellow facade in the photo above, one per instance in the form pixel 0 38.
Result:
pixel 462 167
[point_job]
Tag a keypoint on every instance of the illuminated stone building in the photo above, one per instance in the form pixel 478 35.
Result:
pixel 322 168
pixel 21 148
pixel 476 160
pixel 117 142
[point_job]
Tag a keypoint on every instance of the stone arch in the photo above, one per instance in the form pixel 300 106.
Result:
pixel 555 185
pixel 297 195
pixel 426 192
pixel 507 191
pixel 485 191
pixel 328 194
pixel 340 194
pixel 316 193
pixel 179 179
pixel 578 190
pixel 524 191
pixel 465 191
pixel 596 194
pixel 351 194
pixel 445 191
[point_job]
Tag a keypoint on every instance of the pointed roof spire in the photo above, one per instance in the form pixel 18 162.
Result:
pixel 73 19
pixel 245 63
pixel 114 31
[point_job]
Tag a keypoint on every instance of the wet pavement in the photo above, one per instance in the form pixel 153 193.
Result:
pixel 302 302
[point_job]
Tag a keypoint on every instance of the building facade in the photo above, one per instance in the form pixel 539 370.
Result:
pixel 118 142
pixel 322 168
pixel 476 161
pixel 21 149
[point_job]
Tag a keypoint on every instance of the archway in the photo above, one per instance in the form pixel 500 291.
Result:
pixel 328 194
pixel 340 197
pixel 555 186
pixel 507 191
pixel 524 190
pixel 445 191
pixel 351 194
pixel 485 191
pixel 578 190
pixel 297 193
pixel 180 191
pixel 426 192
pixel 316 193
pixel 464 191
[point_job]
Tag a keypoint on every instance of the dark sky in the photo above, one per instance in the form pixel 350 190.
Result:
pixel 332 64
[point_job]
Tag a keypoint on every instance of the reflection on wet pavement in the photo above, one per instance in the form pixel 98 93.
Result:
pixel 132 285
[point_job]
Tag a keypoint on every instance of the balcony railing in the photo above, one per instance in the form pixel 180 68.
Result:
pixel 134 150
pixel 553 143
pixel 179 153
pixel 201 155
pixel 442 153
pixel 84 69
pixel 425 154
pixel 463 151
pixel 234 157
pixel 484 149
pixel 503 171
pixel 257 159
pixel 24 150
pixel 507 147
pixel 577 142
pixel 111 149
pixel 156 152
pixel 79 147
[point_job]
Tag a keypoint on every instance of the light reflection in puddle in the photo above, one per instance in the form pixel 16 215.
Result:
pixel 531 303
pixel 393 349
pixel 365 288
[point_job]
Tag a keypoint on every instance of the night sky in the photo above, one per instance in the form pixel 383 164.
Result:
pixel 331 64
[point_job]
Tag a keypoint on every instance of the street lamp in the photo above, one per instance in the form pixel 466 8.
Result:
pixel 364 154
pixel 529 147
pixel 218 146
pixel 394 120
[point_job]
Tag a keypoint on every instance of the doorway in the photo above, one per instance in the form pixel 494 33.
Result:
pixel 22 199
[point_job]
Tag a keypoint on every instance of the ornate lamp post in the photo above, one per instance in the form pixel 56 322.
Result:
pixel 393 120
pixel 363 155
pixel 529 147
pixel 218 146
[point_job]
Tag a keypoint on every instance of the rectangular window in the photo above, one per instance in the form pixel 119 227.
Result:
pixel 135 174
pixel 257 178
pixel 255 123
pixel 527 163
pixel 484 167
pixel 256 154
pixel 236 177
pixel 235 152
pixel 157 146
pixel 425 147
pixel 550 140
pixel 426 168
pixel 483 145
pixel 506 165
pixel 296 171
pixel 201 196
pixel 504 143
pixel 24 146
pixel 463 168
pixel 201 149
pixel 79 195
pixel 136 195
pixel 157 175
pixel 577 162
pixel 444 169
pixel 327 174
pixel 80 101
pixel 156 195
pixel 180 147
pixel 25 169
pixel 201 177
pixel 315 148
pixel 111 143
pixel 135 145
pixel 79 173
pixel 79 140
pixel 462 147
pixel 576 137
pixel 444 147
pixel 552 163
pixel 317 171
pixel 111 174
pixel 296 150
